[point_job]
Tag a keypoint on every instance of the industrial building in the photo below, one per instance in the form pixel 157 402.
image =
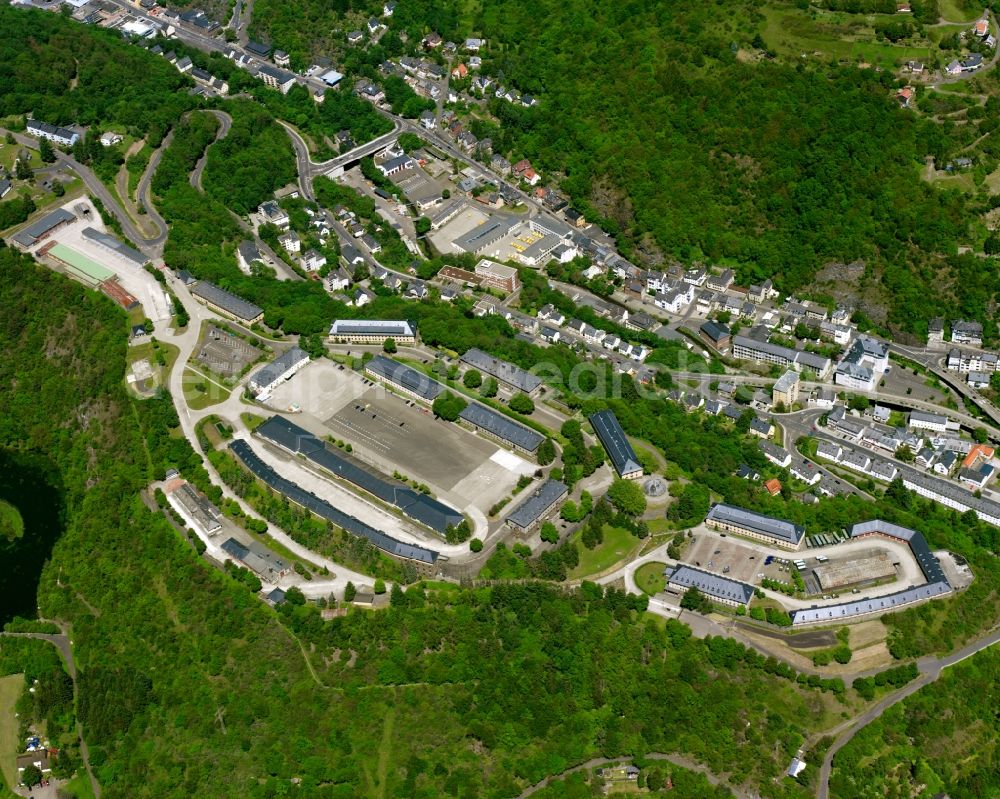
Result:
pixel 193 506
pixel 421 557
pixel 718 588
pixel 258 558
pixel 110 243
pixel 496 425
pixel 297 441
pixel 535 507
pixel 42 229
pixel 405 378
pixel 507 374
pixel 784 534
pixel 610 432
pixel 263 381
pixel 835 575
pixel 373 331
pixel 227 304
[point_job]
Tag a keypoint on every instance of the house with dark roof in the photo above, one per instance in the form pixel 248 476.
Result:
pixel 263 381
pixel 716 587
pixel 507 374
pixel 227 304
pixel 537 505
pixel 496 425
pixel 404 378
pixel 751 524
pixel 617 445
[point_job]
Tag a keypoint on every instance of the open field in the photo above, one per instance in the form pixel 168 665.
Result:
pixel 202 391
pixel 10 690
pixel 850 37
pixel 618 545
pixel 650 577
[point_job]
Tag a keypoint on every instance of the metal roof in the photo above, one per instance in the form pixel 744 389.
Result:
pixel 373 327
pixel 889 602
pixel 320 507
pixel 423 508
pixel 111 243
pixel 272 372
pixel 499 425
pixel 529 511
pixel 606 425
pixel 502 370
pixel 929 564
pixel 405 377
pixel 710 584
pixel 33 232
pixel 757 522
pixel 237 306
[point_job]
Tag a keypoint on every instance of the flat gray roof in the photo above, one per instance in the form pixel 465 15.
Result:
pixel 485 234
pixel 502 370
pixel 765 525
pixel 606 425
pixel 813 361
pixel 713 585
pixel 373 327
pixel 846 610
pixel 529 511
pixel 122 249
pixel 237 306
pixel 499 425
pixel 405 377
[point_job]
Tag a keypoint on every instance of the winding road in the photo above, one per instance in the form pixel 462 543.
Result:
pixel 225 123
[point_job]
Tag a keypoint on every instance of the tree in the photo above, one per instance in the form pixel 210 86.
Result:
pixel 46 152
pixel 981 435
pixel 32 775
pixel 490 388
pixel 549 533
pixel 389 345
pixel 521 403
pixel 23 171
pixel 422 225
pixel 694 599
pixel 57 188
pixel 459 533
pixel 380 586
pixel 627 496
pixel 472 379
pixel 350 592
pixel 448 406
pixel 396 597
pixel 476 545
pixel 546 452
pixel 408 142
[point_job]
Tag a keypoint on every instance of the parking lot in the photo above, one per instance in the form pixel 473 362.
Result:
pixel 714 553
pixel 224 353
pixel 398 434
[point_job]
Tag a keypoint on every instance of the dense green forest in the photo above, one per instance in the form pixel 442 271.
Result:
pixel 942 739
pixel 65 73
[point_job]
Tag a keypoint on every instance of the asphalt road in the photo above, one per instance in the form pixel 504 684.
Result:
pixel 930 670
pixel 225 123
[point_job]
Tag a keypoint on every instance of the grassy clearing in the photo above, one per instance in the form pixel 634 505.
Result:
pixel 79 787
pixel 11 523
pixel 201 391
pixel 618 545
pixel 10 689
pixel 650 577
pixel 850 37
pixel 252 420
pixel 960 10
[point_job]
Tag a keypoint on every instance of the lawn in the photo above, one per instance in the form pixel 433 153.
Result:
pixel 160 373
pixel 10 689
pixel 201 391
pixel 650 577
pixel 960 10
pixel 79 787
pixel 618 545
pixel 252 420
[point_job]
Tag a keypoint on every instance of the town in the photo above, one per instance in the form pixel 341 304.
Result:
pixel 346 466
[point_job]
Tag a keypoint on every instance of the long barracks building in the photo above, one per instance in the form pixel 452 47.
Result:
pixel 754 525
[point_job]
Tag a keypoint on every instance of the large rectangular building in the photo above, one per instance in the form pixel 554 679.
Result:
pixel 373 331
pixel 610 432
pixel 507 374
pixel 533 509
pixel 405 378
pixel 263 381
pixel 784 534
pixel 750 349
pixel 495 424
pixel 42 229
pixel 718 588
pixel 79 265
pixel 498 276
pixel 43 130
pixel 227 304
pixel 110 243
